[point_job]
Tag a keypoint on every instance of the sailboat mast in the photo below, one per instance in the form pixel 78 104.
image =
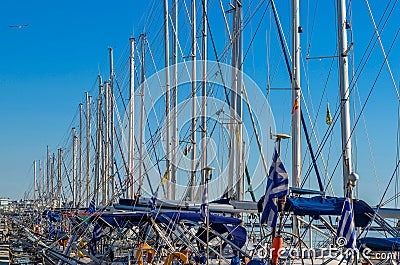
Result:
pixel 88 136
pixel 235 153
pixel 106 143
pixel 296 95
pixel 80 154
pixel 74 168
pixel 131 161
pixel 53 164
pixel 98 140
pixel 53 161
pixel 167 97
pixel 141 131
pixel 174 114
pixel 204 92
pixel 59 178
pixel 238 102
pixel 192 182
pixel 344 93
pixel 34 180
pixel 48 174
pixel 111 180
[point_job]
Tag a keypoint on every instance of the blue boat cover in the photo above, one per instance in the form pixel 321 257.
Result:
pixel 381 244
pixel 319 205
pixel 54 217
pixel 255 262
pixel 196 217
pixel 119 219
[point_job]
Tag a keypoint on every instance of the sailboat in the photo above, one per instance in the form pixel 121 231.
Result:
pixel 176 177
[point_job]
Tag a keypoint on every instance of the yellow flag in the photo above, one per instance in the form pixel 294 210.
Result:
pixel 328 115
pixel 237 135
pixel 165 178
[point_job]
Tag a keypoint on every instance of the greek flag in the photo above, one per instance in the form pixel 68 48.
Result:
pixel 277 186
pixel 97 233
pixel 346 233
pixel 204 204
pixel 92 206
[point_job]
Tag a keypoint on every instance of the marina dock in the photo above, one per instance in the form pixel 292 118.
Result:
pixel 4 246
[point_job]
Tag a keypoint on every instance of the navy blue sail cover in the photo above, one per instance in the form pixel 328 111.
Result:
pixel 52 216
pixel 196 217
pixel 319 205
pixel 380 244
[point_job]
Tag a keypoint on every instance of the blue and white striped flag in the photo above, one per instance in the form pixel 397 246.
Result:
pixel 97 233
pixel 92 206
pixel 277 186
pixel 204 204
pixel 346 232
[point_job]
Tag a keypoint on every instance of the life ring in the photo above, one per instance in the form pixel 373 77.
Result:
pixel 176 256
pixel 144 249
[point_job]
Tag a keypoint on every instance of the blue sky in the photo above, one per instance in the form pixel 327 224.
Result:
pixel 44 71
pixel 46 68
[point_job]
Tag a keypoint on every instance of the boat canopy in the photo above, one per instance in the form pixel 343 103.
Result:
pixel 119 219
pixel 319 205
pixel 52 216
pixel 380 244
pixel 196 217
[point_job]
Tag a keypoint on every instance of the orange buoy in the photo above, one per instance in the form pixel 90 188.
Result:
pixel 277 244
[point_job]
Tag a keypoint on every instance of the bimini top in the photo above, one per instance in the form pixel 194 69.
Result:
pixel 318 205
pixel 52 216
pixel 380 244
pixel 116 219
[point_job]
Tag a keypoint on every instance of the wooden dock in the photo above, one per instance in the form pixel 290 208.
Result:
pixel 4 246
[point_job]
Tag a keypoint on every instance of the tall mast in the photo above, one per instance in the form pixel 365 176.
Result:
pixel 106 143
pixel 74 168
pixel 192 182
pixel 88 135
pixel 167 96
pixel 296 102
pixel 59 178
pixel 131 151
pixel 98 141
pixel 111 129
pixel 239 108
pixel 48 173
pixel 80 154
pixel 52 175
pixel 141 131
pixel 235 153
pixel 344 94
pixel 204 93
pixel 174 114
pixel 41 182
pixel 34 180
pixel 296 95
